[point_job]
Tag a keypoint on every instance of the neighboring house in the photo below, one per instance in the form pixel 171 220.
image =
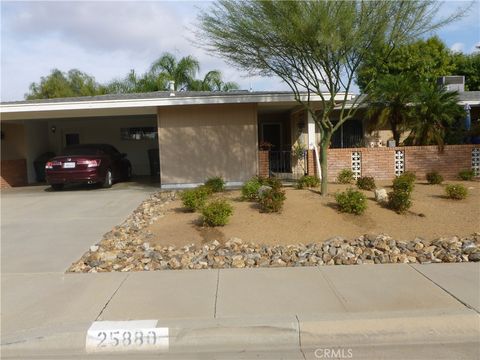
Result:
pixel 196 134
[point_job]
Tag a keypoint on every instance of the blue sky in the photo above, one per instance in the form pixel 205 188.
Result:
pixel 108 38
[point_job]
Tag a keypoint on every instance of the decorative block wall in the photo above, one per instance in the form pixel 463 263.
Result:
pixel 386 163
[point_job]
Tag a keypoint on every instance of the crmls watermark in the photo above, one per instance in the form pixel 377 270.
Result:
pixel 333 353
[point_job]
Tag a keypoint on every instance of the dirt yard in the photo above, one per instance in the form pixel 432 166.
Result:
pixel 307 217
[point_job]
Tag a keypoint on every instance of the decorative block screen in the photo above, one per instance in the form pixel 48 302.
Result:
pixel 357 164
pixel 399 162
pixel 476 161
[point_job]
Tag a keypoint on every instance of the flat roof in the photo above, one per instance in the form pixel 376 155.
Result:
pixel 141 103
pixel 147 103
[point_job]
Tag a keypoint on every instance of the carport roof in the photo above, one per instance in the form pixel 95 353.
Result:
pixel 141 103
pixel 151 95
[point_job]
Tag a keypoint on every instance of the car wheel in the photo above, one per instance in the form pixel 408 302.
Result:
pixel 107 183
pixel 57 187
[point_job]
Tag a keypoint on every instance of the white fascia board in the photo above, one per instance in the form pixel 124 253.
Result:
pixel 171 101
pixel 469 102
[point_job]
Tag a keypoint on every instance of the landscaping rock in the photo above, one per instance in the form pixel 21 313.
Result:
pixel 262 189
pixel 126 248
pixel 381 195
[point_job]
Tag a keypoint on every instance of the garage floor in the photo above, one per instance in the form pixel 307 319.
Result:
pixel 45 231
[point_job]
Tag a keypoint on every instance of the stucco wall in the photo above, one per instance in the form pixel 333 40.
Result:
pixel 107 130
pixel 201 141
pixel 13 143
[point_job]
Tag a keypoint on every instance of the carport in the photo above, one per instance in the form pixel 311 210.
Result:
pixel 29 135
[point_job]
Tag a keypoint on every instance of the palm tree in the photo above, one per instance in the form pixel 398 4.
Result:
pixel 389 104
pixel 212 82
pixel 435 110
pixel 167 68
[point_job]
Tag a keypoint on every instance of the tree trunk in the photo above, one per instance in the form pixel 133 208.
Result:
pixel 324 145
pixel 395 132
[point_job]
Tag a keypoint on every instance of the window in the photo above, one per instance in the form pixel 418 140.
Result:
pixel 72 139
pixel 139 133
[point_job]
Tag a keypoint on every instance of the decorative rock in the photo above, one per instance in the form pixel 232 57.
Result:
pixel 262 189
pixel 474 256
pixel 126 248
pixel 381 195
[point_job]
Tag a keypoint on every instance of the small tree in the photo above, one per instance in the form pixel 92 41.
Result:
pixel 389 104
pixel 313 46
pixel 435 110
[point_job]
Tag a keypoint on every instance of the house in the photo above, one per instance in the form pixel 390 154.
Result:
pixel 196 135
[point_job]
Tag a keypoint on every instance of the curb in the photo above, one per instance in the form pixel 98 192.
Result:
pixel 302 333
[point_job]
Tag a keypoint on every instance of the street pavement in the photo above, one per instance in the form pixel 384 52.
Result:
pixel 395 311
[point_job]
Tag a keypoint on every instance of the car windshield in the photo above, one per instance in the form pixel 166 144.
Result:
pixel 82 150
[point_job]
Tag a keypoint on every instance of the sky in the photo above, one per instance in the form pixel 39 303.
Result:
pixel 108 38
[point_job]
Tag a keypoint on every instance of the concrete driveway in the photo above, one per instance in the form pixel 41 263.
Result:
pixel 45 231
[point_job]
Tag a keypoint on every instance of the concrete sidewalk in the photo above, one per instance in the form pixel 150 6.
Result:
pixel 369 309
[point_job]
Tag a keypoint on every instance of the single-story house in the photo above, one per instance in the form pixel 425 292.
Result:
pixel 196 135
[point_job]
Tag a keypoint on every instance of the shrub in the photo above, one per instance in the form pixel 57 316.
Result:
pixel 194 199
pixel 345 176
pixel 403 183
pixel 216 184
pixel 410 176
pixel 217 213
pixel 351 201
pixel 273 182
pixel 434 178
pixel 250 188
pixel 272 200
pixel 366 183
pixel 308 181
pixel 456 191
pixel 467 175
pixel 399 200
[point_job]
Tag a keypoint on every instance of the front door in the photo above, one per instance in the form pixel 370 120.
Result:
pixel 272 133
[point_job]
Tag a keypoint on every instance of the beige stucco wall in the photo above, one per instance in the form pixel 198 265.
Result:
pixel 201 141
pixel 13 143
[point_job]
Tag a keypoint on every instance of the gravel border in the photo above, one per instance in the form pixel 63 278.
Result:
pixel 126 248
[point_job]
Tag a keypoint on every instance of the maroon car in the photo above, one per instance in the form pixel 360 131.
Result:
pixel 90 164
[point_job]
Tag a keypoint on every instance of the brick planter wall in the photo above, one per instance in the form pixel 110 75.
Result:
pixel 380 162
pixel 13 173
pixel 311 163
pixel 263 164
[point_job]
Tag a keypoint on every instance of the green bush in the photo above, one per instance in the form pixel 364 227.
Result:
pixel 410 176
pixel 217 213
pixel 216 184
pixel 346 176
pixel 308 181
pixel 250 188
pixel 466 175
pixel 351 201
pixel 273 182
pixel 195 199
pixel 434 178
pixel 272 200
pixel 399 201
pixel 403 183
pixel 456 191
pixel 366 183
